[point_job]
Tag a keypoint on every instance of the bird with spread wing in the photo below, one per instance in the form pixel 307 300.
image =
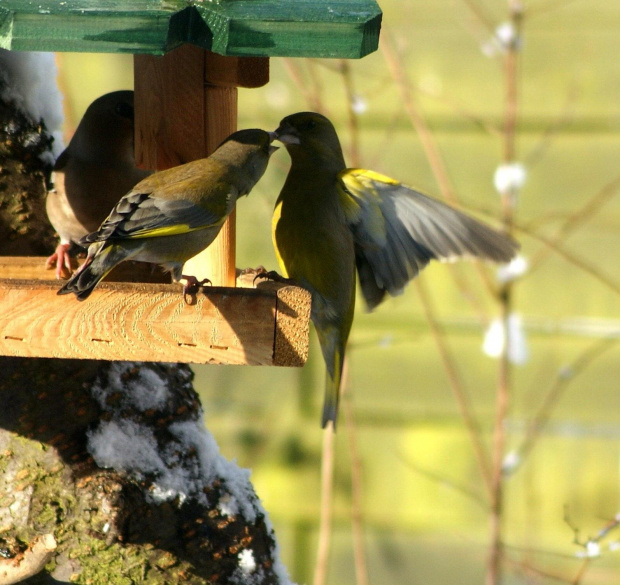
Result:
pixel 331 221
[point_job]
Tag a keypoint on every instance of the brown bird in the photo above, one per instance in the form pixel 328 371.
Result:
pixel 92 174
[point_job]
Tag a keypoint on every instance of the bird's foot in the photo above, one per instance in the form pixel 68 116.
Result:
pixel 191 287
pixel 62 260
pixel 273 275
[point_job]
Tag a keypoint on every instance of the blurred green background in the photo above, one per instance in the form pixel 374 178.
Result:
pixel 422 523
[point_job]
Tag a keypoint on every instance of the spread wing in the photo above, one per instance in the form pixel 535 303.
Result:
pixel 397 231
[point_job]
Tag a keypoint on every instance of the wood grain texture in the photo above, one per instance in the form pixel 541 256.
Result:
pixel 217 262
pixel 180 116
pixel 170 108
pixel 292 326
pixel 236 71
pixel 33 268
pixel 151 322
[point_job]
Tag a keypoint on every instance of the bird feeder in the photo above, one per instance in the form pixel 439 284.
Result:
pixel 190 56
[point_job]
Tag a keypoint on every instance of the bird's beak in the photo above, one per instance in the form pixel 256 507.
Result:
pixel 272 137
pixel 287 135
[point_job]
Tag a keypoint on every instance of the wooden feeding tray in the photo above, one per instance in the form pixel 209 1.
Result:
pixel 190 58
pixel 267 325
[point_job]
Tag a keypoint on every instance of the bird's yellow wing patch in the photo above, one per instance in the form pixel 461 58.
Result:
pixel 362 202
pixel 277 212
pixel 366 177
pixel 169 230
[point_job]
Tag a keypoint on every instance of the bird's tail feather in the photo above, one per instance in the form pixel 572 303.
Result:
pixel 96 267
pixel 332 391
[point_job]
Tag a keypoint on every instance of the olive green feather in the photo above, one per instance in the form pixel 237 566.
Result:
pixel 330 221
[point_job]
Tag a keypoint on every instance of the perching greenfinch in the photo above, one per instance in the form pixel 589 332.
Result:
pixel 330 220
pixel 92 173
pixel 172 215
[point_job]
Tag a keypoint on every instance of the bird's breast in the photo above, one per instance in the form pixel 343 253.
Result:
pixel 314 246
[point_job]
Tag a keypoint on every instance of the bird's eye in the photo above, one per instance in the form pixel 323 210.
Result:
pixel 124 110
pixel 310 124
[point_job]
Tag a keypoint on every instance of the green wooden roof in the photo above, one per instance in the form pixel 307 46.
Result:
pixel 292 28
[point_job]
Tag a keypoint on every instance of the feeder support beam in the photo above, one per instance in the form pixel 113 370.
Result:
pixel 185 106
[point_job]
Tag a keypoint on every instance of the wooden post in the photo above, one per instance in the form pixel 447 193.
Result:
pixel 185 106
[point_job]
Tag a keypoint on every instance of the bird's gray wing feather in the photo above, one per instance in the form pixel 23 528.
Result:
pixel 397 231
pixel 140 215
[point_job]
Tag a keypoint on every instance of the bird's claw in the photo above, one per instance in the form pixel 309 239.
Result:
pixel 62 260
pixel 273 275
pixel 191 287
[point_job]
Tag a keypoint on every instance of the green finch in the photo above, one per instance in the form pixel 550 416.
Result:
pixel 172 215
pixel 330 220
pixel 92 173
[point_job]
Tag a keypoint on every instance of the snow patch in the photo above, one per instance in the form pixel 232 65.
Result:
pixel 146 391
pixel 247 564
pixel 31 85
pixel 227 506
pixel 125 446
pixel 178 466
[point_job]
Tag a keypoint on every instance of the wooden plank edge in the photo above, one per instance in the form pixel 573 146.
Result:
pixel 33 268
pixel 292 322
pixel 122 311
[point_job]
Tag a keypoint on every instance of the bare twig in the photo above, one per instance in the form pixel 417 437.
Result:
pixel 317 85
pixel 504 383
pixel 584 265
pixel 325 523
pixel 481 15
pixel 469 492
pixel 591 545
pixel 550 6
pixel 536 153
pixel 562 380
pixel 311 92
pixel 577 218
pixel 459 110
pixel 610 526
pixel 529 569
pixel 347 78
pixel 430 148
pixel 581 572
pixel 429 145
pixel 357 487
pixel 456 385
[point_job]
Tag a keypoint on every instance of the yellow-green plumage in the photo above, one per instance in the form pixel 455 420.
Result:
pixel 330 221
pixel 172 215
pixel 328 272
